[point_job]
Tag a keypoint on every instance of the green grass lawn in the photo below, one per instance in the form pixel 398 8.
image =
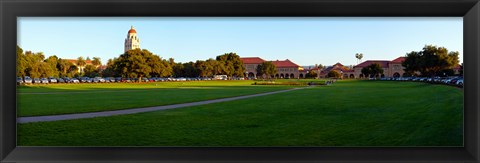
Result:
pixel 348 113
pixel 78 98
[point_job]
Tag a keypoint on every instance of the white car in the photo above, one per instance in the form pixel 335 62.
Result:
pixel 52 80
pixel 459 82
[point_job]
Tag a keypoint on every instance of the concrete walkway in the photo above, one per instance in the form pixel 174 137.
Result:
pixel 138 110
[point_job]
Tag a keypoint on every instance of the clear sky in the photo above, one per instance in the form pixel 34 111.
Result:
pixel 305 41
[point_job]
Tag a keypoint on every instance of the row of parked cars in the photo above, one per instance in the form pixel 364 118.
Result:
pixel 453 80
pixel 49 80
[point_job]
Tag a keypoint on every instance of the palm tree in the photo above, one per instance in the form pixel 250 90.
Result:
pixel 96 62
pixel 359 57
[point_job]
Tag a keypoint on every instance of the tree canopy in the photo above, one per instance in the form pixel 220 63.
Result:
pixel 372 70
pixel 231 65
pixel 138 63
pixel 267 68
pixel 334 74
pixel 430 60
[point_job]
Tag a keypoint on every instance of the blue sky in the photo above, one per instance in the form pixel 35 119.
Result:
pixel 306 41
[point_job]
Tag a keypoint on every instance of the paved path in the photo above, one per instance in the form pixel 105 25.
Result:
pixel 137 110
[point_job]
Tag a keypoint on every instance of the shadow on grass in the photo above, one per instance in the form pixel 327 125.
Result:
pixel 50 101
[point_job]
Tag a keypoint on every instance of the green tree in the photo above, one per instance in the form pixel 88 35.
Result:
pixel 231 64
pixel 136 63
pixel 110 69
pixel 34 61
pixel 203 68
pixel 52 61
pixel 372 70
pixel 96 62
pixel 91 71
pixel 216 67
pixel 366 71
pixel 189 69
pixel 266 68
pixel 320 66
pixel 72 71
pixel 21 62
pixel 311 74
pixel 430 60
pixel 160 67
pixel 334 74
pixel 63 66
pixel 179 70
pixel 141 63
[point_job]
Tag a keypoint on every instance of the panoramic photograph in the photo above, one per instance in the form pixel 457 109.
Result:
pixel 240 81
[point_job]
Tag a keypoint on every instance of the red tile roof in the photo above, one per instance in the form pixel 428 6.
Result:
pixel 399 60
pixel 338 65
pixel 285 63
pixel 383 63
pixel 74 61
pixel 252 60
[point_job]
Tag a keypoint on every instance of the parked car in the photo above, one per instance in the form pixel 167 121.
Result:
pixel 95 80
pixel 67 80
pixel 85 80
pixel 75 80
pixel 60 80
pixel 37 81
pixel 52 80
pixel 126 80
pixel 110 79
pixel 459 82
pixel 145 80
pixel 19 80
pixel 118 79
pixel 181 79
pixel 44 80
pixel 27 80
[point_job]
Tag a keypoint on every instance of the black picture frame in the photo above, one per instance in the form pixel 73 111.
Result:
pixel 468 9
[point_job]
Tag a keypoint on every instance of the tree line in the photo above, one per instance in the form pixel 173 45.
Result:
pixel 132 64
pixel 430 61
pixel 138 63
pixel 36 65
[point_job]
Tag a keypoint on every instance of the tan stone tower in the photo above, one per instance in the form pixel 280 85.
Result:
pixel 132 41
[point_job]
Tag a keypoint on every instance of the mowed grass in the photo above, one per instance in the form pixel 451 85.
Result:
pixel 348 113
pixel 57 99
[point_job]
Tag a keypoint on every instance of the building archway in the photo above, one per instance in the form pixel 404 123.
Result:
pixel 361 76
pixel 276 75
pixel 382 76
pixel 301 75
pixel 292 76
pixel 251 75
pixel 287 76
pixel 282 76
pixel 352 76
pixel 345 76
pixel 396 75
